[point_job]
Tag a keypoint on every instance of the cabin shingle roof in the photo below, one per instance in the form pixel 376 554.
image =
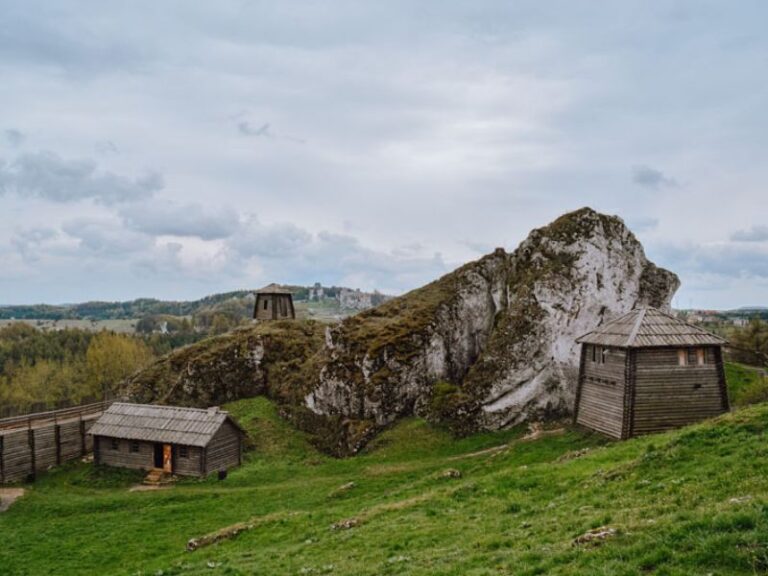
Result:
pixel 167 424
pixel 649 328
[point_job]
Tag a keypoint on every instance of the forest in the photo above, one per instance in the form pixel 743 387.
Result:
pixel 47 369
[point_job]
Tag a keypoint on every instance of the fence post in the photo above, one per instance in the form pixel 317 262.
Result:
pixel 82 434
pixel 57 438
pixel 31 438
pixel 2 460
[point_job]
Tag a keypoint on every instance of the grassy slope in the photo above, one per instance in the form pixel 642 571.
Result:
pixel 514 511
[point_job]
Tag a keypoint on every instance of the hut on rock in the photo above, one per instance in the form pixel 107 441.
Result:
pixel 274 303
pixel 647 371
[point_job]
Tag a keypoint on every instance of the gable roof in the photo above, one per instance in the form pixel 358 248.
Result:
pixel 649 328
pixel 273 289
pixel 167 424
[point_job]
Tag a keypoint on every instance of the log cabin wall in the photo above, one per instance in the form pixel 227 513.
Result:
pixel 669 395
pixel 224 450
pixel 189 465
pixel 123 456
pixel 602 390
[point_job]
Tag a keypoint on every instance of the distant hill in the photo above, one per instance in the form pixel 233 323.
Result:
pixel 144 307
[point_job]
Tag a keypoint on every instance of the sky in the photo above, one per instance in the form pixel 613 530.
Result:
pixel 174 149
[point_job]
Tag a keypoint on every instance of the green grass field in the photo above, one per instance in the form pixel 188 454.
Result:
pixel 693 501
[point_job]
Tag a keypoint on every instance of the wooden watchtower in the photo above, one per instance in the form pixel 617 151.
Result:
pixel 274 303
pixel 647 371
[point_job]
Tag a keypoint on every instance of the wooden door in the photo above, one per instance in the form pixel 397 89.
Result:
pixel 167 458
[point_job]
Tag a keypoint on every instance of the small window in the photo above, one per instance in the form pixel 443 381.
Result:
pixel 266 303
pixel 701 357
pixel 114 444
pixel 682 357
pixel 604 355
pixel 134 446
pixel 183 451
pixel 594 353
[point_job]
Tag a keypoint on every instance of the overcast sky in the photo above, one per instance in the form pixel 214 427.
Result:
pixel 176 149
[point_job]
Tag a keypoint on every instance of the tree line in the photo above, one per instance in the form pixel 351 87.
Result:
pixel 71 365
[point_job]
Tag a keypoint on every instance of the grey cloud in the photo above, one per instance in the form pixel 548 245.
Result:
pixel 70 42
pixel 14 137
pixel 192 220
pixel 48 176
pixel 105 237
pixel 106 147
pixel 733 260
pixel 28 242
pixel 245 128
pixel 642 223
pixel 288 253
pixel 270 241
pixel 754 234
pixel 649 177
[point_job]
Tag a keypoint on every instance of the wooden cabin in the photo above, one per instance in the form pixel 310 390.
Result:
pixel 182 441
pixel 274 303
pixel 647 371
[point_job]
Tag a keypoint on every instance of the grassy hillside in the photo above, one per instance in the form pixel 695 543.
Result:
pixel 688 502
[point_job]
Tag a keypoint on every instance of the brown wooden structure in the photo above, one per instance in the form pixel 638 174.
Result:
pixel 36 442
pixel 183 441
pixel 648 371
pixel 274 303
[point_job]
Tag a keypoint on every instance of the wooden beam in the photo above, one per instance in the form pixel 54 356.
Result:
pixel 579 382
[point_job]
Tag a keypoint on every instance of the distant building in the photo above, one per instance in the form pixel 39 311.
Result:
pixel 183 441
pixel 648 371
pixel 316 293
pixel 273 303
pixel 355 299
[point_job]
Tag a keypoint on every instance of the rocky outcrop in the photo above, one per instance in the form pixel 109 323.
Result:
pixel 484 347
pixel 497 334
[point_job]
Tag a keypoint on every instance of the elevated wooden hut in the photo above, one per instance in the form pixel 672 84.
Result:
pixel 274 303
pixel 184 441
pixel 647 371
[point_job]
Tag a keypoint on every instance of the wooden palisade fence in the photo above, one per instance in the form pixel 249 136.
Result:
pixel 33 443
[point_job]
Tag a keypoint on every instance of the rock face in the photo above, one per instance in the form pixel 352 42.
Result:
pixel 484 347
pixel 498 335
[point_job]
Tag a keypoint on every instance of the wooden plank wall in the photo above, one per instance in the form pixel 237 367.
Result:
pixel 601 398
pixel 43 441
pixel 144 459
pixel 668 395
pixel 223 451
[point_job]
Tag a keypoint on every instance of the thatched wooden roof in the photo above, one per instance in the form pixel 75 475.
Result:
pixel 649 328
pixel 273 289
pixel 167 424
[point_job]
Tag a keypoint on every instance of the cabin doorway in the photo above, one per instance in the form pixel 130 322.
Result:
pixel 164 457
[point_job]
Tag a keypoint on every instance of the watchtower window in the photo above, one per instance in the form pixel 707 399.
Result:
pixel 266 303
pixel 682 357
pixel 604 354
pixel 701 356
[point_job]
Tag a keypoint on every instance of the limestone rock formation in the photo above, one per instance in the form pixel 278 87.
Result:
pixel 498 334
pixel 484 347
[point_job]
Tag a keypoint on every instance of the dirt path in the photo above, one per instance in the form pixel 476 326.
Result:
pixel 8 496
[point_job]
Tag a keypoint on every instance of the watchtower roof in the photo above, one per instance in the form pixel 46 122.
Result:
pixel 273 289
pixel 649 328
